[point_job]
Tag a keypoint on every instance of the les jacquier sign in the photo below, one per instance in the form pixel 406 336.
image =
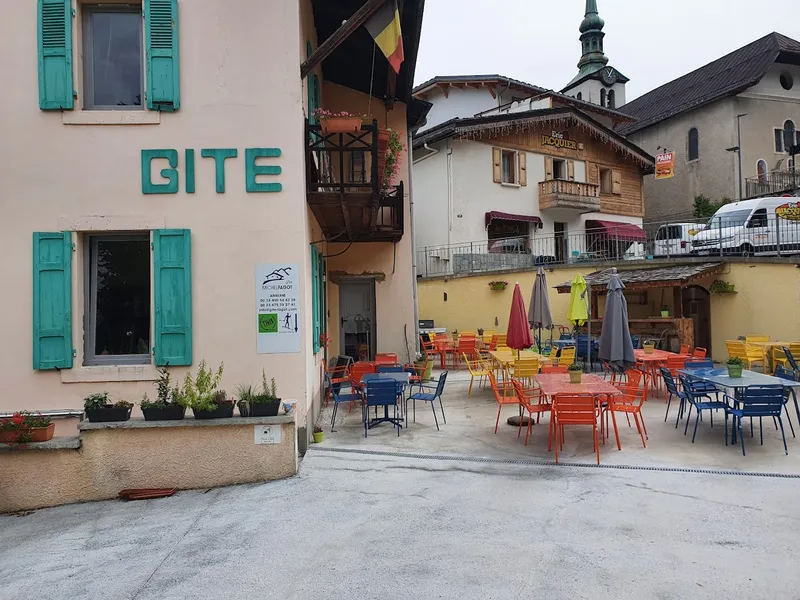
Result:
pixel 560 140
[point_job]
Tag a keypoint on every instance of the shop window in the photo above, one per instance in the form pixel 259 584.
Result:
pixel 117 299
pixel 113 73
pixel 509 158
pixel 694 144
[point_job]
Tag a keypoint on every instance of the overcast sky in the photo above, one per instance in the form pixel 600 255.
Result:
pixel 650 42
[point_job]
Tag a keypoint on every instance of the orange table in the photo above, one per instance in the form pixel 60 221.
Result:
pixel 651 362
pixel 558 383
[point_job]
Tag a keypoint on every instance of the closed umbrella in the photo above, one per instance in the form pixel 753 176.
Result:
pixel 616 347
pixel 578 312
pixel 519 332
pixel 539 315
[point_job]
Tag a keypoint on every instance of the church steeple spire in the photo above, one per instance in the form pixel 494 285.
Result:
pixel 592 36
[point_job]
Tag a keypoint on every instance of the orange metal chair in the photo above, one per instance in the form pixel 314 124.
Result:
pixel 468 348
pixel 504 395
pixel 699 353
pixel 629 402
pixel 575 409
pixel 548 369
pixel 684 350
pixel 386 358
pixel 526 397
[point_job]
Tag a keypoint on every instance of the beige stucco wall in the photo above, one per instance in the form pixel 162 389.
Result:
pixel 110 460
pixel 767 302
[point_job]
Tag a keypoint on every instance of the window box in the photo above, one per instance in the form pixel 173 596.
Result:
pixel 171 412
pixel 30 435
pixel 224 410
pixel 109 414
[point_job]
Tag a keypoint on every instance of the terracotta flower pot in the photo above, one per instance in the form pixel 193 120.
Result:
pixel 34 434
pixel 341 125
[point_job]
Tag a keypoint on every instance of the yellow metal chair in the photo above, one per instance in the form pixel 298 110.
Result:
pixel 526 369
pixel 477 368
pixel 467 334
pixel 567 356
pixel 487 335
pixel 749 339
pixel 747 353
pixel 502 339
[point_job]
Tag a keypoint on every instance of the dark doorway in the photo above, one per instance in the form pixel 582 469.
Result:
pixel 697 306
pixel 357 318
pixel 559 234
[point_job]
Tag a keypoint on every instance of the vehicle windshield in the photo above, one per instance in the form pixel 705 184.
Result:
pixel 734 218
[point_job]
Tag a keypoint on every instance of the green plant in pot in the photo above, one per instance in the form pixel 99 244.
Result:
pixel 318 434
pixel 99 409
pixel 24 427
pixel 735 366
pixel 200 393
pixel 165 407
pixel 665 311
pixel 575 371
pixel 424 365
pixel 263 403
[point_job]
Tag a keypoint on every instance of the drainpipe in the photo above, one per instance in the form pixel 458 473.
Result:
pixel 413 245
pixel 449 194
pixel 431 152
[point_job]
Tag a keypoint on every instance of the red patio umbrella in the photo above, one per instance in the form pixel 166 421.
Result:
pixel 519 330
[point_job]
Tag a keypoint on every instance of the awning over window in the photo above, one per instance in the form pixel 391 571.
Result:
pixel 624 232
pixel 490 216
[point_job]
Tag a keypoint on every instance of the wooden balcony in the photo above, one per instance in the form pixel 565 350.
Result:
pixel 570 195
pixel 343 189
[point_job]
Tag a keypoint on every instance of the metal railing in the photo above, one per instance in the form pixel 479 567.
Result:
pixel 736 234
pixel 776 182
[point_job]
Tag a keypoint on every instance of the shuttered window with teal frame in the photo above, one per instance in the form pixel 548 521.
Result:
pixel 54 26
pixel 52 300
pixel 161 55
pixel 316 329
pixel 172 296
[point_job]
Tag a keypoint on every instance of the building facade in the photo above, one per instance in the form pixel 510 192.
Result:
pixel 548 185
pixel 748 103
pixel 178 213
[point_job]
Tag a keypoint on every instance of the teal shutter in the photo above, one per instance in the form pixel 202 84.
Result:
pixel 52 300
pixel 55 54
pixel 312 84
pixel 315 297
pixel 323 299
pixel 172 296
pixel 161 54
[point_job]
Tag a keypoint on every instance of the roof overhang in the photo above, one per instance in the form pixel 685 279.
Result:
pixel 642 279
pixel 490 82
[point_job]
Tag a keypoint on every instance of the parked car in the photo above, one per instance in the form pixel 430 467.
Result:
pixel 675 239
pixel 760 226
pixel 515 245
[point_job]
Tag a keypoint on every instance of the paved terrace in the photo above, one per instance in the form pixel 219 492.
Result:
pixel 360 525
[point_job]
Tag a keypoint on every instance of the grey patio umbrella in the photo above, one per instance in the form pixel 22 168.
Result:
pixel 616 347
pixel 539 316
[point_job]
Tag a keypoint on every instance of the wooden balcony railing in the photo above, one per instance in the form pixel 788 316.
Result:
pixel 576 195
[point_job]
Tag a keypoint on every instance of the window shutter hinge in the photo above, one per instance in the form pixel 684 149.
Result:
pixel 73 246
pixel 74 93
pixel 74 353
pixel 154 351
pixel 72 11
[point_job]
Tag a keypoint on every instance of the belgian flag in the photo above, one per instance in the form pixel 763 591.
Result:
pixel 384 27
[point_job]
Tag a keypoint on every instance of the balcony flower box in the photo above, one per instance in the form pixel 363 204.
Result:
pixel 25 427
pixel 498 286
pixel 338 122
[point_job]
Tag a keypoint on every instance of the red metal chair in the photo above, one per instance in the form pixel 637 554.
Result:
pixel 699 353
pixel 504 395
pixel 386 358
pixel 575 409
pixel 357 372
pixel 526 398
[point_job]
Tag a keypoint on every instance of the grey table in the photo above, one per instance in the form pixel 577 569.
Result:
pixel 402 380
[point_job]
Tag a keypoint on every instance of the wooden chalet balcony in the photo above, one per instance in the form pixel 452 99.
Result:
pixel 571 195
pixel 343 190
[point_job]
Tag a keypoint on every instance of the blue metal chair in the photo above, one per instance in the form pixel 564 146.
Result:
pixel 391 369
pixel 431 395
pixel 788 392
pixel 339 397
pixel 757 401
pixel 707 387
pixel 695 395
pixel 383 393
pixel 792 361
pixel 636 341
pixel 565 336
pixel 673 391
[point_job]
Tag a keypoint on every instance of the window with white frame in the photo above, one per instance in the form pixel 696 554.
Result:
pixel 789 135
pixel 113 58
pixel 117 299
pixel 509 162
pixel 778 133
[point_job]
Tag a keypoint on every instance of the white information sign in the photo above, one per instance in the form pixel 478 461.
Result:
pixel 268 434
pixel 278 308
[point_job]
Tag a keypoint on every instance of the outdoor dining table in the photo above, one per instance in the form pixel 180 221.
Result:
pixel 652 361
pixel 402 380
pixel 767 347
pixel 552 384
pixel 506 358
pixel 720 377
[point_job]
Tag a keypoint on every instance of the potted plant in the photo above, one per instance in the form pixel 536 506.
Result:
pixel 648 348
pixel 165 407
pixel 338 122
pixel 318 434
pixel 498 286
pixel 735 366
pixel 480 331
pixel 24 427
pixel 665 311
pixel 99 409
pixel 424 365
pixel 253 403
pixel 389 159
pixel 200 393
pixel 575 371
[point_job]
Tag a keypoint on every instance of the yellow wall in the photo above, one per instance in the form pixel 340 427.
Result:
pixel 767 302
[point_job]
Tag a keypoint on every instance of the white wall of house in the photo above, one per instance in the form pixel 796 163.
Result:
pixel 432 214
pixel 458 103
pixel 770 84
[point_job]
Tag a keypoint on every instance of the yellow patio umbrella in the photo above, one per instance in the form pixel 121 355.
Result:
pixel 578 312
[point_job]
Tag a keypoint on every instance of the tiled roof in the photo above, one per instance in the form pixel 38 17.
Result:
pixel 476 79
pixel 728 75
pixel 641 278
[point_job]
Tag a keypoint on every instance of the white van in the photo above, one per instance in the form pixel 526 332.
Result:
pixel 675 239
pixel 760 226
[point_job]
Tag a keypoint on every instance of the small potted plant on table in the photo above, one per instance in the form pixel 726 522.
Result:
pixel 735 366
pixel 575 371
pixel 665 311
pixel 259 404
pixel 24 427
pixel 318 434
pixel 99 409
pixel 165 407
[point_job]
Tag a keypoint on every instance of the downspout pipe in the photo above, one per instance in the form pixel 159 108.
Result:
pixel 413 245
pixel 431 152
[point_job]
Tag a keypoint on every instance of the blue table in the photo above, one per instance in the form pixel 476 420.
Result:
pixel 402 380
pixel 749 378
pixel 562 343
